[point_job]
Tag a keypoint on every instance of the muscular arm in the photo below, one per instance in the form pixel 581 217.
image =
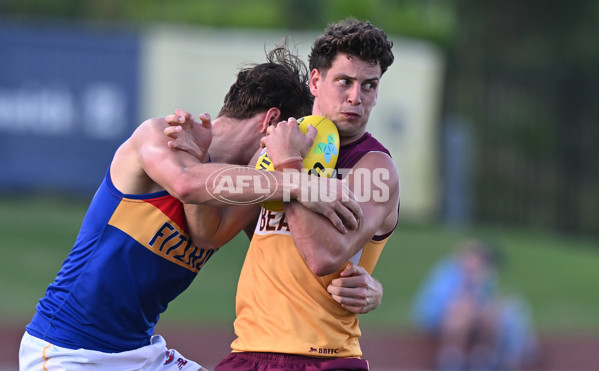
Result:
pixel 211 229
pixel 322 247
pixel 211 224
pixel 376 182
pixel 145 163
pixel 214 225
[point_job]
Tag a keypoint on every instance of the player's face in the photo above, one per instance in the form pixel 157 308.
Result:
pixel 346 93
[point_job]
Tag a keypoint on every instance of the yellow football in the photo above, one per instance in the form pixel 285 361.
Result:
pixel 320 160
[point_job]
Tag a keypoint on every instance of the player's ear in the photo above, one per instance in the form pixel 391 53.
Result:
pixel 272 117
pixel 314 80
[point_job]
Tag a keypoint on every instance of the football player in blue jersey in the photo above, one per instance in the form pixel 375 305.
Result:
pixel 140 245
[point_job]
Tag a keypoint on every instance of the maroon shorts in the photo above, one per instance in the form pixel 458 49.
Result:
pixel 255 361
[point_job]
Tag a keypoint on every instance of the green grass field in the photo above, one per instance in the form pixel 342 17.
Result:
pixel 557 275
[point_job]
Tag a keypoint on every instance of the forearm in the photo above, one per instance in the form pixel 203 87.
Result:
pixel 223 185
pixel 215 226
pixel 324 249
pixel 203 222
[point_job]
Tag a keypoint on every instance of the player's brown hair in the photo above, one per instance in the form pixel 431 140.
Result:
pixel 354 37
pixel 281 82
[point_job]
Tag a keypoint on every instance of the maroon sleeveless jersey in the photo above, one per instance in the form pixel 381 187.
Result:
pixel 350 154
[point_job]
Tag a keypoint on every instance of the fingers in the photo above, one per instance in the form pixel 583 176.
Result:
pixel 352 270
pixel 337 222
pixel 176 145
pixel 172 131
pixel 271 128
pixel 311 134
pixel 350 201
pixel 348 216
pixel 352 280
pixel 347 271
pixel 349 209
pixel 352 299
pixel 180 117
pixel 349 294
pixel 186 115
pixel 352 305
pixel 285 140
pixel 352 276
pixel 174 119
pixel 356 290
pixel 206 120
pixel 355 208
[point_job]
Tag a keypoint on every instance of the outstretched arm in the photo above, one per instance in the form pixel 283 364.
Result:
pixel 204 221
pixel 343 211
pixel 213 223
pixel 209 225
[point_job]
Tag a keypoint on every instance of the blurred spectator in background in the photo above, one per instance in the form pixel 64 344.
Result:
pixel 472 325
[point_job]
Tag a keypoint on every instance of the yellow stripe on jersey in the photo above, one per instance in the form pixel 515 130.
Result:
pixel 371 255
pixel 158 234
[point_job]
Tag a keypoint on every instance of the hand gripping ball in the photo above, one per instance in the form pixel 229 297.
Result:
pixel 320 159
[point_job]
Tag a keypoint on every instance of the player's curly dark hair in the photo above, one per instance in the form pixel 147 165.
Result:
pixel 354 37
pixel 281 82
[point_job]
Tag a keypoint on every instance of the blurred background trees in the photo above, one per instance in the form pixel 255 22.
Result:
pixel 524 73
pixel 521 79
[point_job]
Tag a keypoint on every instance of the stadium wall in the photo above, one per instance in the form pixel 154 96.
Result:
pixel 70 94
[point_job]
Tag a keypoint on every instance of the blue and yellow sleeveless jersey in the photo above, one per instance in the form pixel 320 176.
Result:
pixel 132 257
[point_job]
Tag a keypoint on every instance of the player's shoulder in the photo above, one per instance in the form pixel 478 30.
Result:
pixel 154 123
pixel 374 149
pixel 368 141
pixel 148 129
pixel 376 159
pixel 379 167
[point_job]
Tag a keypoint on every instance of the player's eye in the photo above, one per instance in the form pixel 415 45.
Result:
pixel 369 86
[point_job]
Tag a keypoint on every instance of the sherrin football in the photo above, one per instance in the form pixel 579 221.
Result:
pixel 321 158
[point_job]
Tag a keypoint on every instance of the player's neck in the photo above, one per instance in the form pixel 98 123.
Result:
pixel 234 141
pixel 225 149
